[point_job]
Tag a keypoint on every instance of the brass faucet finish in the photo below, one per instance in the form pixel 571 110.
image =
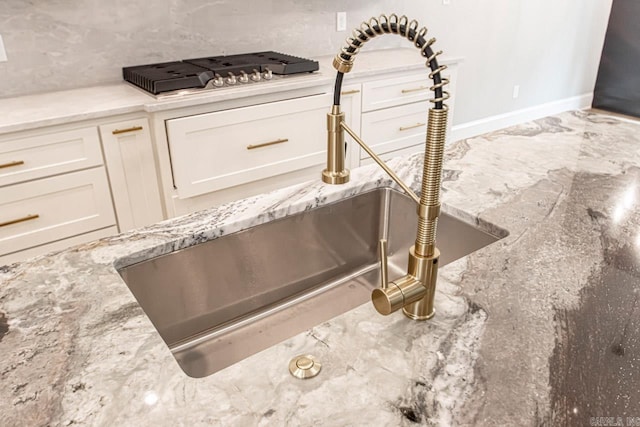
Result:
pixel 414 292
pixel 335 173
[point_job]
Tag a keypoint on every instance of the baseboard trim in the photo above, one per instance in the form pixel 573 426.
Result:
pixel 501 121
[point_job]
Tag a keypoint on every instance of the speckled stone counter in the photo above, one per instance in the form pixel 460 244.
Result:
pixel 540 328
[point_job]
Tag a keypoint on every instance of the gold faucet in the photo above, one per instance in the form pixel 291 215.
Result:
pixel 414 292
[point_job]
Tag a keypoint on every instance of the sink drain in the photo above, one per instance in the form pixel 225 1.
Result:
pixel 304 367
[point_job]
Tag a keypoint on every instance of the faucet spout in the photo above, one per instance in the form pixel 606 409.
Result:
pixel 414 292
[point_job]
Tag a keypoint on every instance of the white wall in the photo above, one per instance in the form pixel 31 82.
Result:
pixel 550 48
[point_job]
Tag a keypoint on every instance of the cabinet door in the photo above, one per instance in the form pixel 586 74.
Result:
pixel 218 150
pixel 132 173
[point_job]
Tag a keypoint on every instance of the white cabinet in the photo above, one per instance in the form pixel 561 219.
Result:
pixel 54 191
pixel 132 173
pixel 45 210
pixel 222 149
pixel 207 158
pixel 36 156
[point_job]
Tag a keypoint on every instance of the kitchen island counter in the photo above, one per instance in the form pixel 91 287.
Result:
pixel 527 330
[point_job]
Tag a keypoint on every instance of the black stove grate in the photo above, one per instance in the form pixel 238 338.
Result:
pixel 167 76
pixel 278 63
pixel 195 73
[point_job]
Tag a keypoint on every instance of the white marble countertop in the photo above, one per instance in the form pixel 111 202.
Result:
pixel 76 348
pixel 54 108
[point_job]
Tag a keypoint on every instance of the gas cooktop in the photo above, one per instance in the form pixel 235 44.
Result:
pixel 213 72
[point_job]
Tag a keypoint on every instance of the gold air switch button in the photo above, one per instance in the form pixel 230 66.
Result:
pixel 304 367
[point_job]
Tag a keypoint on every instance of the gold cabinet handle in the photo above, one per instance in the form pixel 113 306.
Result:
pixel 417 125
pixel 265 144
pixel 350 92
pixel 131 129
pixel 15 221
pixel 8 165
pixel 415 89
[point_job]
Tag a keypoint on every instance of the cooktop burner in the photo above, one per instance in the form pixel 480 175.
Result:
pixel 217 71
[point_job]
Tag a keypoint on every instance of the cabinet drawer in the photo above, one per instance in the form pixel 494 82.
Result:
pixel 217 150
pixel 23 159
pixel 54 208
pixel 395 128
pixel 396 91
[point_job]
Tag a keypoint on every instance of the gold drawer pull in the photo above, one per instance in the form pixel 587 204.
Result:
pixel 277 141
pixel 417 125
pixel 350 92
pixel 131 129
pixel 8 165
pixel 15 221
pixel 415 89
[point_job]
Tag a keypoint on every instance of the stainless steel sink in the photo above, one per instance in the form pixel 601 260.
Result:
pixel 219 302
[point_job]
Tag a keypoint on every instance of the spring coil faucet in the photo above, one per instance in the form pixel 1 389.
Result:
pixel 414 292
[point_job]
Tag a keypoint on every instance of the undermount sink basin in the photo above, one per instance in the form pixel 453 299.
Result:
pixel 219 302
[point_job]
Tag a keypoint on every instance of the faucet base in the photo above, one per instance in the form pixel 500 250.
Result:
pixel 426 268
pixel 329 177
pixel 414 316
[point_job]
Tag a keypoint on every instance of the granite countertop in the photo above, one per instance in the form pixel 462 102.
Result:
pixel 54 108
pixel 540 328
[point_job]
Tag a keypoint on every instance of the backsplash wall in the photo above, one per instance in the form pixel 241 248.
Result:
pixel 61 44
pixel 549 49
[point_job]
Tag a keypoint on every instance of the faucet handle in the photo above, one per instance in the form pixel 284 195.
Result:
pixel 382 253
